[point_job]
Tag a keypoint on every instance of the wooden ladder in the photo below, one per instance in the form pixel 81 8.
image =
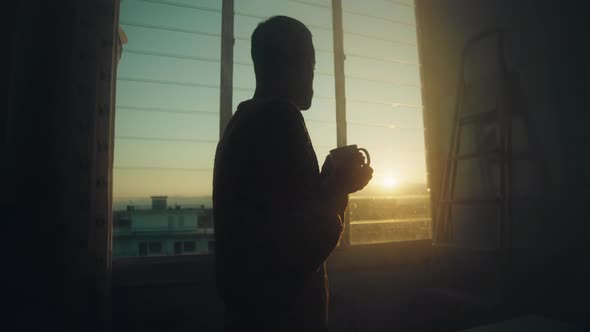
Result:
pixel 509 103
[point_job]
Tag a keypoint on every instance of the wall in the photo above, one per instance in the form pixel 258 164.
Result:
pixel 366 300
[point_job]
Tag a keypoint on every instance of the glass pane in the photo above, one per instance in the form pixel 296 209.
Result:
pixel 384 115
pixel 166 126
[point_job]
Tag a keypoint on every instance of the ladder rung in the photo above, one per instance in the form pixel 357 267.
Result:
pixel 473 201
pixel 492 154
pixel 458 247
pixel 475 155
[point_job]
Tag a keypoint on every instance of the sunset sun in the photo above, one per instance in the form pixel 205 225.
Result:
pixel 389 182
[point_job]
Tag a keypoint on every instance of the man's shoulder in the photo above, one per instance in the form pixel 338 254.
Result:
pixel 260 120
pixel 270 110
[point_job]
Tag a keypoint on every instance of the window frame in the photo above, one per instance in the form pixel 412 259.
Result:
pixel 197 268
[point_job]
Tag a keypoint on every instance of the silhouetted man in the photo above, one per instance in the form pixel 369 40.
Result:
pixel 277 218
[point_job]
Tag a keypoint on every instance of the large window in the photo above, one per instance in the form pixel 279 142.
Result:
pixel 167 115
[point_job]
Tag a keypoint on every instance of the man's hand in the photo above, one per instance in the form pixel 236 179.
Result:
pixel 327 167
pixel 348 177
pixel 339 200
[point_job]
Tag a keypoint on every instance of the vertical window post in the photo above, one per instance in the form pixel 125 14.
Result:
pixel 428 128
pixel 227 60
pixel 339 57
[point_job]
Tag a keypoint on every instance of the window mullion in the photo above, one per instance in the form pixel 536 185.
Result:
pixel 339 83
pixel 226 64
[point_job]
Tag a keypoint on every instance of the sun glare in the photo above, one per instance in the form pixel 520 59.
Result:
pixel 389 182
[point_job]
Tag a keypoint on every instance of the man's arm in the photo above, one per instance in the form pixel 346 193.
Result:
pixel 304 225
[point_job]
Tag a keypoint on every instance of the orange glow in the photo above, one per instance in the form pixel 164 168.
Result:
pixel 389 182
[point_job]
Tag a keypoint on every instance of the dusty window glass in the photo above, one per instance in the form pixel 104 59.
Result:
pixel 384 115
pixel 167 122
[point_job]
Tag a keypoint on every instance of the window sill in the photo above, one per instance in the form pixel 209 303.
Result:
pixel 162 270
pixel 376 255
pixel 191 269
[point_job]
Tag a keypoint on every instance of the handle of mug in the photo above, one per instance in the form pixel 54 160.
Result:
pixel 366 155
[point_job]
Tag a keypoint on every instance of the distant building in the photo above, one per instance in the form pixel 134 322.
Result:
pixel 162 230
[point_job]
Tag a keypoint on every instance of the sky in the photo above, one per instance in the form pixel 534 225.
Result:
pixel 167 98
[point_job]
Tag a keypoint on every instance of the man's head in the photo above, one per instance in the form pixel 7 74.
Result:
pixel 284 60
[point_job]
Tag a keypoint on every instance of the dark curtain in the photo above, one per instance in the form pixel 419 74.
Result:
pixel 57 135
